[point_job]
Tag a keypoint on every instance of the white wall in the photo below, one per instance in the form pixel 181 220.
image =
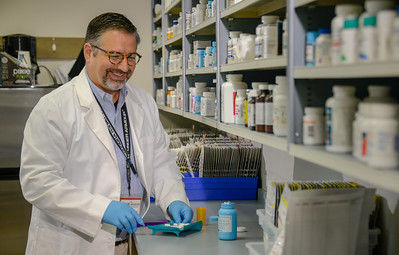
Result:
pixel 48 18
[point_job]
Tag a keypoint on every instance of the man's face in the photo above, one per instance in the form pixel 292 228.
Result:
pixel 111 77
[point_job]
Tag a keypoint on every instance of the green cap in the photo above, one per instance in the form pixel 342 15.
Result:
pixel 370 21
pixel 351 23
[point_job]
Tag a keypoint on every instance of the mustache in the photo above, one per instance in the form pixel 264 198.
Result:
pixel 118 71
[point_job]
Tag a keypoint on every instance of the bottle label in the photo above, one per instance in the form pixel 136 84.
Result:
pixel 328 126
pixel 269 114
pixel 225 223
pixel 260 114
pixel 251 115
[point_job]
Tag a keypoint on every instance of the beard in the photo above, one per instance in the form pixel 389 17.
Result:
pixel 115 85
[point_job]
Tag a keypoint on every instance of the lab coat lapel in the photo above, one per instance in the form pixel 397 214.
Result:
pixel 92 115
pixel 136 118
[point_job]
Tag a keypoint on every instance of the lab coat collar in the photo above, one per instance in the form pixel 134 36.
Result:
pixel 93 114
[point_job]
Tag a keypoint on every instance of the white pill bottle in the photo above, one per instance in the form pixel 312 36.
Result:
pixel 340 113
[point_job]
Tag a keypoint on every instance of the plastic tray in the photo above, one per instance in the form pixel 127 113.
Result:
pixel 221 188
pixel 175 230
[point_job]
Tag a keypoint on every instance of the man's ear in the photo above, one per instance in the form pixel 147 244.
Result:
pixel 87 52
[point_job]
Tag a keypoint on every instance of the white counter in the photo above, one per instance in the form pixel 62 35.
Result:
pixel 205 242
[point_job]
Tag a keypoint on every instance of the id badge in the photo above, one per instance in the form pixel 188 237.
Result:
pixel 132 202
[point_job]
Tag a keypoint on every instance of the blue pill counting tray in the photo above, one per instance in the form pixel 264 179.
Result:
pixel 176 228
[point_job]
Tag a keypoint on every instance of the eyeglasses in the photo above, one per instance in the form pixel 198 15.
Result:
pixel 117 57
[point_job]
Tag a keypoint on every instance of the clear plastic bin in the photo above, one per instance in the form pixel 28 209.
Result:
pixel 269 230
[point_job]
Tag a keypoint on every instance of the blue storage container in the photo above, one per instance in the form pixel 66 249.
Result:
pixel 221 188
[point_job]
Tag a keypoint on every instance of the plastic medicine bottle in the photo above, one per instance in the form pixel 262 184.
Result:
pixel 385 21
pixel 310 48
pixel 349 48
pixel 340 113
pixel 239 107
pixel 266 41
pixel 383 136
pixel 337 24
pixel 280 103
pixel 227 223
pixel 368 40
pixel 323 47
pixel 208 104
pixel 232 47
pixel 313 126
pixel 233 83
pixel 379 94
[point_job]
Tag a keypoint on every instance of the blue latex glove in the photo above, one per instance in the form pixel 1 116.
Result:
pixel 180 211
pixel 122 216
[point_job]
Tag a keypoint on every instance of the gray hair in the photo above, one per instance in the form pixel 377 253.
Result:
pixel 109 21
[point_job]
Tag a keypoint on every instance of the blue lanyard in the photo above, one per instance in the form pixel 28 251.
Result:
pixel 118 141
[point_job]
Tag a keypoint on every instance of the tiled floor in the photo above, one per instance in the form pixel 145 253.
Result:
pixel 14 219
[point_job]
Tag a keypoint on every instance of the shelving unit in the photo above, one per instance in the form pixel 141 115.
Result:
pixel 302 80
pixel 173 74
pixel 174 8
pixel 252 8
pixel 346 164
pixel 204 70
pixel 205 28
pixel 158 19
pixel 175 40
pixel 261 64
pixel 362 70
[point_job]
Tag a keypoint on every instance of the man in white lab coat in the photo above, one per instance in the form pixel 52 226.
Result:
pixel 92 142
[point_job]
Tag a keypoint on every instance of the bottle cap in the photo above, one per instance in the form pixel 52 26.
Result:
pixel 263 87
pixel 324 31
pixel 269 19
pixel 347 9
pixel 378 91
pixel 314 110
pixel 348 90
pixel 255 85
pixel 254 93
pixel 234 34
pixel 200 85
pixel 234 77
pixel 311 37
pixel 373 6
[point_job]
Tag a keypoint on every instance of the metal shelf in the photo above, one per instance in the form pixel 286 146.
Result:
pixel 177 40
pixel 174 8
pixel 158 18
pixel 205 28
pixel 361 70
pixel 279 143
pixel 209 121
pixel 204 70
pixel 174 74
pixel 300 3
pixel 348 165
pixel 261 64
pixel 171 110
pixel 252 8
pixel 273 141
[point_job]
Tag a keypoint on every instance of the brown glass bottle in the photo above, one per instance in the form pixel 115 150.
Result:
pixel 260 109
pixel 269 110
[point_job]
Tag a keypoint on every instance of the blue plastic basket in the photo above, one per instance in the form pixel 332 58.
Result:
pixel 221 188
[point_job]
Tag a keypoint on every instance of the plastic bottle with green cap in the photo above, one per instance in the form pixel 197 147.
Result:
pixel 349 41
pixel 368 40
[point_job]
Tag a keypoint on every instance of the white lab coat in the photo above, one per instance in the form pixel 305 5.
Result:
pixel 70 174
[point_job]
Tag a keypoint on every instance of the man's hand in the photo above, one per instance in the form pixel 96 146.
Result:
pixel 180 212
pixel 122 216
